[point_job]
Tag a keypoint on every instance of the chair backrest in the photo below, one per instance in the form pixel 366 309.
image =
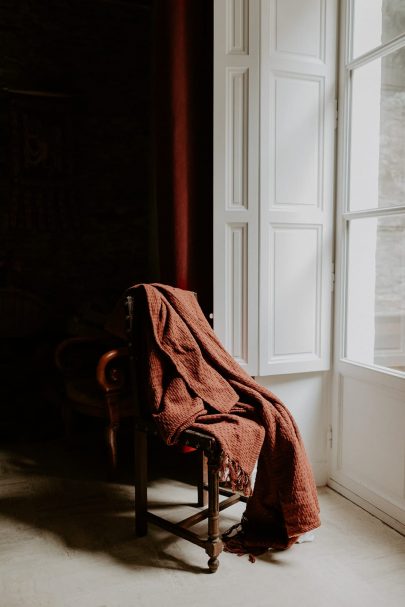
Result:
pixel 136 318
pixel 136 345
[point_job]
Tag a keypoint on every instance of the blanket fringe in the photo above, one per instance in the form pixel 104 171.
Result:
pixel 231 473
pixel 236 544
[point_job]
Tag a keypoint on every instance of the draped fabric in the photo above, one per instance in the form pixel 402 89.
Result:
pixel 193 382
pixel 182 146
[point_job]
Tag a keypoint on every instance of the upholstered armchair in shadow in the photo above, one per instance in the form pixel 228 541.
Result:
pixel 95 374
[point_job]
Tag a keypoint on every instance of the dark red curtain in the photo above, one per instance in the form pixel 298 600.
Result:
pixel 182 125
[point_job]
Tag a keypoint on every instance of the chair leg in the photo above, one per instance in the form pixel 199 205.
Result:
pixel 202 479
pixel 141 483
pixel 214 544
pixel 112 428
pixel 112 444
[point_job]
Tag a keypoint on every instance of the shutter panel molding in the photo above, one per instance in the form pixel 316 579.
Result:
pixel 274 148
pixel 298 65
pixel 236 177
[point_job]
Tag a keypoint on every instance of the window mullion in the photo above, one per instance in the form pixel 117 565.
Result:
pixel 380 212
pixel 377 53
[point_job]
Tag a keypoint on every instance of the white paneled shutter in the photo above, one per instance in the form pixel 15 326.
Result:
pixel 236 177
pixel 274 132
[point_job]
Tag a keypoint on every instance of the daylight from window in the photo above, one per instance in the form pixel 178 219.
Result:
pixel 375 217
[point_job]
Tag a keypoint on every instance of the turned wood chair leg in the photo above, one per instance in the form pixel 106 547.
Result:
pixel 141 483
pixel 114 422
pixel 202 479
pixel 112 444
pixel 214 544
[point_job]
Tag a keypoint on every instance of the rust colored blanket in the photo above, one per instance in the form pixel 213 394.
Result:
pixel 195 383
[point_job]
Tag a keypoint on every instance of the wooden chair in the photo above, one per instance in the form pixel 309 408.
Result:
pixel 209 455
pixel 95 383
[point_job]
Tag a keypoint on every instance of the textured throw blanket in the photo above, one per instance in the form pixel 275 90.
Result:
pixel 194 383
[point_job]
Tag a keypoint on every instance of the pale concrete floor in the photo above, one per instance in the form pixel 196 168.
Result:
pixel 66 539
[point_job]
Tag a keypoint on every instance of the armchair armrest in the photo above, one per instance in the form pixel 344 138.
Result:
pixel 78 356
pixel 112 370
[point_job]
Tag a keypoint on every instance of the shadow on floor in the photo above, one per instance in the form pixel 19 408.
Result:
pixel 70 495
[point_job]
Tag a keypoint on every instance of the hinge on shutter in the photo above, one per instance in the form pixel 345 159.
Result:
pixel 332 278
pixel 330 437
pixel 336 113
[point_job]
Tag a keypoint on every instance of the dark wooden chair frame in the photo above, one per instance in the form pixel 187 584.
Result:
pixel 113 403
pixel 208 486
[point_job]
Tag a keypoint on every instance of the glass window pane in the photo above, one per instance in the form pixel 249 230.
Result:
pixel 393 19
pixel 375 321
pixel 377 145
pixel 376 22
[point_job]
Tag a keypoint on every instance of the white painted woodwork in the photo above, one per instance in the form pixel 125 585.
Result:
pixel 367 459
pixel 236 290
pixel 237 138
pixel 297 126
pixel 367 26
pixel 298 114
pixel 274 127
pixel 294 333
pixel 369 441
pixel 368 454
pixel 237 27
pixel 298 27
pixel 274 119
pixel 236 177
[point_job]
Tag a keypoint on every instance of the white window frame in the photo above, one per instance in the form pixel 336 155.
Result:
pixel 344 215
pixel 357 464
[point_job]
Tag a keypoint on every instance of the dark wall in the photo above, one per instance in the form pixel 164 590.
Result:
pixel 74 177
pixel 85 241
